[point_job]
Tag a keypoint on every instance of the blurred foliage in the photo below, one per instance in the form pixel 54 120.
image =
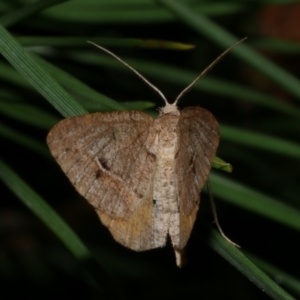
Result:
pixel 253 92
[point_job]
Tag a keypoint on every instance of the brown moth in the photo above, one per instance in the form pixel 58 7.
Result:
pixel 142 175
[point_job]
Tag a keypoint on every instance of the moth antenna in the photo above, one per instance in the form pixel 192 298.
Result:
pixel 132 69
pixel 207 69
pixel 213 206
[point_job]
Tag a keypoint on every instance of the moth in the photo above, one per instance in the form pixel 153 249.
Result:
pixel 143 176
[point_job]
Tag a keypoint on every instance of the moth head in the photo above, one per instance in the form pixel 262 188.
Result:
pixel 169 109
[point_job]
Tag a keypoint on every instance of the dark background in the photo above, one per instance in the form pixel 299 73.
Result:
pixel 34 262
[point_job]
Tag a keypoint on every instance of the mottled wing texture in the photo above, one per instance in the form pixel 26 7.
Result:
pixel 136 232
pixel 109 158
pixel 198 139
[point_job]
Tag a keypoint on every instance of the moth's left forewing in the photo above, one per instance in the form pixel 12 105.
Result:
pixel 198 139
pixel 102 154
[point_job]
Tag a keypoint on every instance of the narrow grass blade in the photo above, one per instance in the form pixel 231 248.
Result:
pixel 249 199
pixel 59 41
pixel 88 96
pixel 131 12
pixel 235 257
pixel 44 212
pixel 23 140
pixel 280 276
pixel 260 141
pixel 213 31
pixel 277 45
pixel 37 76
pixel 23 112
pixel 26 11
pixel 57 225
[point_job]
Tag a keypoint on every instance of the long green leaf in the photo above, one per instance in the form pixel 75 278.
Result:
pixel 277 45
pixel 37 76
pixel 24 12
pixel 246 267
pixel 88 96
pixel 285 279
pixel 28 114
pixel 260 141
pixel 214 32
pixel 47 215
pixel 59 227
pixel 58 41
pixel 130 11
pixel 23 140
pixel 247 198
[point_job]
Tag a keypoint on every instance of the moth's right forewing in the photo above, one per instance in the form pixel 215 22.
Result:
pixel 198 139
pixel 108 157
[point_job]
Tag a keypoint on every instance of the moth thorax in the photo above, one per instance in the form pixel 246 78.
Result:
pixel 167 145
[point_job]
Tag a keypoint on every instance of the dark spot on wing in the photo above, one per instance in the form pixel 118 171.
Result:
pixel 98 174
pixel 154 202
pixel 72 150
pixel 192 158
pixel 114 135
pixel 152 155
pixel 103 164
pixel 194 169
pixel 139 195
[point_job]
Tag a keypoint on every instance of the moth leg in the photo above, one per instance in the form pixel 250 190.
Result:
pixel 213 207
